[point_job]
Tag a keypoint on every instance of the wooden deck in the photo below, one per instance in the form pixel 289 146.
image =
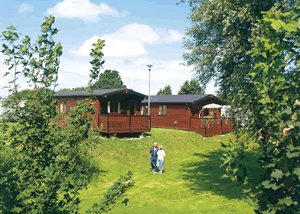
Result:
pixel 112 124
pixel 211 127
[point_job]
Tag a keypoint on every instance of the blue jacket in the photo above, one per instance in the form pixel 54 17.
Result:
pixel 153 152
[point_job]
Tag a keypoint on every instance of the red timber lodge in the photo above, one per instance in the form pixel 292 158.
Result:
pixel 126 111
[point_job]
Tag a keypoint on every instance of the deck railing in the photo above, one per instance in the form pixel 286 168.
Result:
pixel 211 126
pixel 124 123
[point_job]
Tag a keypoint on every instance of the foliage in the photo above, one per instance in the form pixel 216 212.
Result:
pixel 276 111
pixel 24 94
pixel 109 79
pixel 45 163
pixel 232 156
pixel 218 41
pixel 97 62
pixel 114 193
pixel 191 87
pixel 47 166
pixel 73 89
pixel 165 91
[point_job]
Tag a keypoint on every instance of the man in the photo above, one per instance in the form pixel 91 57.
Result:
pixel 153 157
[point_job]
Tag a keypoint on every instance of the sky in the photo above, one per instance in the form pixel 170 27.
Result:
pixel 136 33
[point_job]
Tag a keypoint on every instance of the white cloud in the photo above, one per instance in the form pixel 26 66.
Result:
pixel 60 78
pixel 127 41
pixel 82 9
pixel 134 74
pixel 172 36
pixel 211 88
pixel 25 7
pixel 113 48
pixel 135 32
pixel 178 65
pixel 175 35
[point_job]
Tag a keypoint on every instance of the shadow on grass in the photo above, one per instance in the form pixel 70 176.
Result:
pixel 205 175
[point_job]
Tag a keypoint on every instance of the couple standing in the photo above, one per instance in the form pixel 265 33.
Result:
pixel 157 158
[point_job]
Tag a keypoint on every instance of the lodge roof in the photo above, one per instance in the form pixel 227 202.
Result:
pixel 98 92
pixel 185 98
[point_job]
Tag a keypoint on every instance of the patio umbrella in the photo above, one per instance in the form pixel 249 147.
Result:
pixel 212 105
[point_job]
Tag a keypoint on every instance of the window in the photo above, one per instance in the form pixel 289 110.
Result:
pixel 142 110
pixel 119 107
pixel 108 107
pixel 162 110
pixel 134 110
pixel 65 107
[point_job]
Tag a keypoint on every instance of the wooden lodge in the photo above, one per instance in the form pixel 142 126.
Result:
pixel 117 110
pixel 185 112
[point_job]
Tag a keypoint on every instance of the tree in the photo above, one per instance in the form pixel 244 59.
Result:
pixel 218 40
pixel 26 93
pixel 109 79
pixel 192 87
pixel 275 115
pixel 166 91
pixel 43 163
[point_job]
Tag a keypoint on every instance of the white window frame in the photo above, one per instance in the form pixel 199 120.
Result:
pixel 142 110
pixel 65 106
pixel 134 110
pixel 164 111
pixel 119 107
pixel 108 107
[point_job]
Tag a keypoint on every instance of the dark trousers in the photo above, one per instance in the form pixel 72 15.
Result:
pixel 153 163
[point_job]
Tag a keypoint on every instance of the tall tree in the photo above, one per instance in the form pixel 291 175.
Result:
pixel 166 91
pixel 274 111
pixel 54 160
pixel 191 87
pixel 218 40
pixel 109 79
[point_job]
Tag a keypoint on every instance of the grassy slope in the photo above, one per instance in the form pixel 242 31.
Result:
pixel 191 182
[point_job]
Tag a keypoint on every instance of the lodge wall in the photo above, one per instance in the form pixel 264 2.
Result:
pixel 174 112
pixel 72 101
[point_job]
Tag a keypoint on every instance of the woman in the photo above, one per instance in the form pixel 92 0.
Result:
pixel 161 155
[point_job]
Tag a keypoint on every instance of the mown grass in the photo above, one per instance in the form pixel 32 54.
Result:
pixel 191 183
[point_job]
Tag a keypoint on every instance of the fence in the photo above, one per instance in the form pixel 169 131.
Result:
pixel 124 123
pixel 212 126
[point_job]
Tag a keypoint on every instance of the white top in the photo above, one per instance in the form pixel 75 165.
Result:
pixel 161 154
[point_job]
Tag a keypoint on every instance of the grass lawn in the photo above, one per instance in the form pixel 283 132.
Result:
pixel 191 182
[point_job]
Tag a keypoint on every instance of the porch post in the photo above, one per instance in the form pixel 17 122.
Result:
pixel 114 107
pixel 128 109
pixel 107 123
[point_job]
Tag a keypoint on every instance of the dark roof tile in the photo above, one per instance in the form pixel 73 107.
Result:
pixel 97 92
pixel 186 98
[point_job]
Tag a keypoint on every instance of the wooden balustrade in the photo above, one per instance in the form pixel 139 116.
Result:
pixel 211 126
pixel 124 124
